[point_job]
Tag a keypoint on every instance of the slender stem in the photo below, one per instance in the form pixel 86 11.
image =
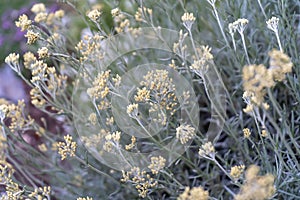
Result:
pixel 278 40
pixel 220 25
pixel 262 9
pixel 245 49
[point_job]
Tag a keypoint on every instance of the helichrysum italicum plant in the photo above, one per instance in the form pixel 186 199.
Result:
pixel 166 112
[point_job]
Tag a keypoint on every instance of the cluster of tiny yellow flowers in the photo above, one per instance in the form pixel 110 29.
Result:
pixel 280 64
pixel 41 192
pixel 159 88
pixel 139 15
pixel 256 187
pixel 18 119
pixel 272 24
pixel 12 59
pixel 112 140
pixel 237 171
pixel 238 25
pixel 66 148
pixel 12 189
pixel 143 182
pixel 264 133
pixel 23 23
pixel 195 193
pixel 43 52
pixel 184 133
pixel 257 78
pixel 157 164
pixel 132 144
pixel 207 149
pixel 93 118
pixel 201 63
pixel 31 36
pixel 99 91
pixel 188 19
pixel 84 198
pixel 246 132
pixel 133 110
pixel 121 22
pixel 94 15
pixel 90 48
pixel 41 16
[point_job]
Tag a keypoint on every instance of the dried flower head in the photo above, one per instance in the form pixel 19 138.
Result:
pixel 37 8
pixel 157 163
pixel 139 15
pixel 142 181
pixel 237 171
pixel 31 37
pixel 246 132
pixel 202 63
pixel 256 79
pixel 280 65
pixel 67 148
pixel 41 17
pixel 43 52
pixel 115 12
pixel 238 25
pixel 184 133
pixel 195 193
pixel 133 110
pixel 264 133
pixel 23 23
pixel 84 198
pixel 188 19
pixel 12 59
pixel 272 24
pixel 207 149
pixel 94 15
pixel 256 187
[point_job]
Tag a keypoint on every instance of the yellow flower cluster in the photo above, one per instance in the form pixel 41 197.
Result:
pixel 142 181
pixel 140 14
pixel 157 164
pixel 195 193
pixel 99 90
pixel 66 148
pixel 256 187
pixel 133 110
pixel 132 144
pixel 246 132
pixel 237 171
pixel 202 62
pixel 256 78
pixel 161 88
pixel 112 140
pixel 207 149
pixel 238 25
pixel 84 198
pixel 188 19
pixel 94 15
pixel 41 192
pixel 23 23
pixel 184 133
pixel 90 48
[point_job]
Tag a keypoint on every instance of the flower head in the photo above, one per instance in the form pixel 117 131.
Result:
pixel 188 19
pixel 184 133
pixel 23 23
pixel 272 24
pixel 67 148
pixel 157 163
pixel 195 193
pixel 94 15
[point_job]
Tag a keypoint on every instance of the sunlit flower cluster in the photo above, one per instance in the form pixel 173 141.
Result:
pixel 256 187
pixel 194 193
pixel 143 182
